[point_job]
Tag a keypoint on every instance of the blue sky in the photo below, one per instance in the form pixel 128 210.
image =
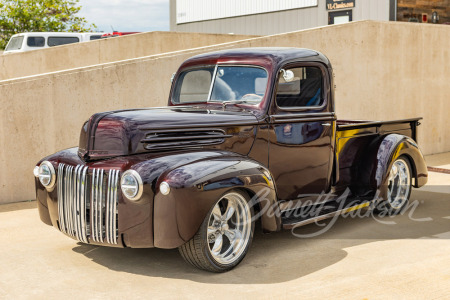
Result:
pixel 127 15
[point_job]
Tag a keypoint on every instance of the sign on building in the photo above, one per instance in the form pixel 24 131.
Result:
pixel 339 4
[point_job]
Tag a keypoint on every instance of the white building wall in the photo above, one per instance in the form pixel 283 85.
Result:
pixel 276 22
pixel 201 10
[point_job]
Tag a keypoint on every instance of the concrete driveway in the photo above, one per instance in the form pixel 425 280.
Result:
pixel 358 258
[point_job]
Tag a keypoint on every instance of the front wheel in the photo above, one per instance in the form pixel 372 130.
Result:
pixel 398 187
pixel 224 236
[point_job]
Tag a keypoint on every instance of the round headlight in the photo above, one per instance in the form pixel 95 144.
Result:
pixel 46 174
pixel 131 185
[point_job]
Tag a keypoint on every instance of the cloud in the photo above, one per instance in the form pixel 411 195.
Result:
pixel 127 15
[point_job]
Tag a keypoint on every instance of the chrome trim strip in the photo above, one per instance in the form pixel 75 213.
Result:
pixel 70 200
pixel 100 207
pixel 108 208
pixel 66 196
pixel 114 212
pixel 92 225
pixel 83 206
pixel 94 205
pixel 76 204
pixel 60 186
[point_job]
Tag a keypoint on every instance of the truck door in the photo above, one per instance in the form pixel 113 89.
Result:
pixel 301 131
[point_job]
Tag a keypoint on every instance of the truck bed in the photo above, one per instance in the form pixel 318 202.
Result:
pixel 354 136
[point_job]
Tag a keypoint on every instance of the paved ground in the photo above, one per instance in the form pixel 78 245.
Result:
pixel 357 259
pixel 441 160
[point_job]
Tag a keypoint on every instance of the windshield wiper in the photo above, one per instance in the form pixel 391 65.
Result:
pixel 224 103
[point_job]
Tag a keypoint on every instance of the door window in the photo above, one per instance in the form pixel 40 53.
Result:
pixel 303 89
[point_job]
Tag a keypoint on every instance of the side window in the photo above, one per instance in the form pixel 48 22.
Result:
pixel 94 37
pixel 304 89
pixel 35 41
pixel 61 40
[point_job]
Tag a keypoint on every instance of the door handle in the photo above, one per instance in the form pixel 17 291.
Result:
pixel 326 124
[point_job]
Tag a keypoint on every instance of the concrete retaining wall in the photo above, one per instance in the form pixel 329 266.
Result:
pixel 65 57
pixel 383 71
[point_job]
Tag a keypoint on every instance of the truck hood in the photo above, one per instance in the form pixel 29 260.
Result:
pixel 128 132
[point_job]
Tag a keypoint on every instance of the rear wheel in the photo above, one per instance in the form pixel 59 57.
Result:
pixel 224 236
pixel 399 186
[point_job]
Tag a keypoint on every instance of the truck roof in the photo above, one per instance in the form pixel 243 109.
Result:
pixel 273 55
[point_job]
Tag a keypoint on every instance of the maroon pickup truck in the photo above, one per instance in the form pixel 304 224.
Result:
pixel 248 135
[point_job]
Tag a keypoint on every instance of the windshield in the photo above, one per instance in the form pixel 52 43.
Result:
pixel 15 43
pixel 241 84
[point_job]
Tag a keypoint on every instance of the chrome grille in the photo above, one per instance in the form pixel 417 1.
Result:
pixel 87 203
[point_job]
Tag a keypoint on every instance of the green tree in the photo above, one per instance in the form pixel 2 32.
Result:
pixel 18 16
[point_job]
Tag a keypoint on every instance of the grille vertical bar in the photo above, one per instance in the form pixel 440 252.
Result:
pixel 61 199
pixel 87 204
pixel 83 205
pixel 108 209
pixel 97 205
pixel 111 207
pixel 94 205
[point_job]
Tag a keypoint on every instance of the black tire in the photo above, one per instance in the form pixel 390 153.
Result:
pixel 197 251
pixel 389 206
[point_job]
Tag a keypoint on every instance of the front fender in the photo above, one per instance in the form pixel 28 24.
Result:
pixel 382 154
pixel 196 187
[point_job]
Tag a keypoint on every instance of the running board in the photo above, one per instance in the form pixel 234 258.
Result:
pixel 290 223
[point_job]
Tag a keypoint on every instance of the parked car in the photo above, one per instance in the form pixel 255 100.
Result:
pixel 116 34
pixel 27 41
pixel 247 134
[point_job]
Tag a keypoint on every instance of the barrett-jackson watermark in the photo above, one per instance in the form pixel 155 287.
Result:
pixel 326 209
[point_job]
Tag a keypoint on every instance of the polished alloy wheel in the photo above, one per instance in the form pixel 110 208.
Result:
pixel 225 236
pixel 229 228
pixel 399 184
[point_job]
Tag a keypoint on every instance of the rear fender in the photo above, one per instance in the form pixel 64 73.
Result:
pixel 196 187
pixel 382 153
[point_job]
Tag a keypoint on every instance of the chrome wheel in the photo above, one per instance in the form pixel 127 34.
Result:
pixel 225 236
pixel 399 184
pixel 229 228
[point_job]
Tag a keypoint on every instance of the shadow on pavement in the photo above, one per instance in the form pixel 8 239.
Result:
pixel 281 257
pixel 18 206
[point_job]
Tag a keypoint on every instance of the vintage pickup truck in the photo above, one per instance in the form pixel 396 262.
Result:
pixel 248 135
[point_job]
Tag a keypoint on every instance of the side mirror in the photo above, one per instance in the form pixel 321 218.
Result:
pixel 173 76
pixel 287 75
